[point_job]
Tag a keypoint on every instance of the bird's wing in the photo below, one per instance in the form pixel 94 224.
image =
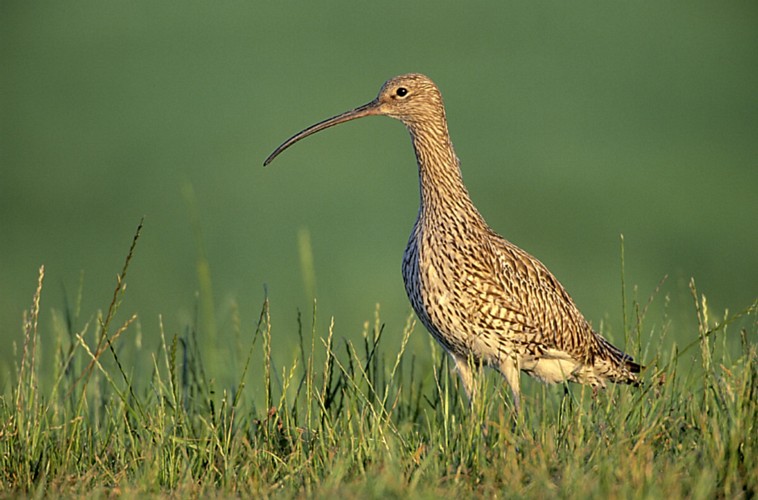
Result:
pixel 538 303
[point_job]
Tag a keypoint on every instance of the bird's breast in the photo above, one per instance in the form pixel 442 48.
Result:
pixel 434 272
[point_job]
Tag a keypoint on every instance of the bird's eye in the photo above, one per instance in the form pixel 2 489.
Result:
pixel 401 92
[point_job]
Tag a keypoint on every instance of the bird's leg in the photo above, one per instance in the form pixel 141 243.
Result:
pixel 566 401
pixel 595 402
pixel 467 367
pixel 466 375
pixel 509 369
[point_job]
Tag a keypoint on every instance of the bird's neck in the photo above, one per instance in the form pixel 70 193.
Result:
pixel 443 193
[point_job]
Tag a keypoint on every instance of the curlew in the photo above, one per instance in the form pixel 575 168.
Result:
pixel 485 300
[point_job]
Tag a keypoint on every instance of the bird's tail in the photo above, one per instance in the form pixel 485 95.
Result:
pixel 622 368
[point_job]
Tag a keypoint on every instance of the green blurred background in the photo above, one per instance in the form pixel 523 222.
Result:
pixel 574 121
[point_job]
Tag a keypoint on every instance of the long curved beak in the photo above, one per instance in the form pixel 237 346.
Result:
pixel 372 108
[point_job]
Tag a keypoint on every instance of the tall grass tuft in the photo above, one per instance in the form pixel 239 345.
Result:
pixel 367 416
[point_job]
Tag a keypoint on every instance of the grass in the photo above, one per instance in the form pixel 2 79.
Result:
pixel 366 418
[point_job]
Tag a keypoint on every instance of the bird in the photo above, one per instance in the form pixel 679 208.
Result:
pixel 486 301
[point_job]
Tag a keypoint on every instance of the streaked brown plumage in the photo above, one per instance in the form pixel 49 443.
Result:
pixel 482 297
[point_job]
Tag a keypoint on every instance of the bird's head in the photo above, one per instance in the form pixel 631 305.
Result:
pixel 412 98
